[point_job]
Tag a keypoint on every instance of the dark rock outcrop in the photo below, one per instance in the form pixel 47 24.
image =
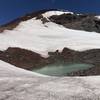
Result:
pixel 89 72
pixel 89 56
pixel 22 58
pixel 79 22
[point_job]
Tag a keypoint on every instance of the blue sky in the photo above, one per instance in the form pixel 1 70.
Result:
pixel 11 9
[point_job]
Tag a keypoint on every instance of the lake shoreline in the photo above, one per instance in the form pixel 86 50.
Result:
pixel 30 60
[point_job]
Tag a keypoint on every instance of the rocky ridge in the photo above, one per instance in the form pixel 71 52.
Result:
pixel 30 60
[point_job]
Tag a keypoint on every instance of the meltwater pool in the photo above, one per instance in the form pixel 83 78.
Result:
pixel 62 69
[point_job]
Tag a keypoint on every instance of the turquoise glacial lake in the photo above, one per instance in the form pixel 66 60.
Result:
pixel 62 69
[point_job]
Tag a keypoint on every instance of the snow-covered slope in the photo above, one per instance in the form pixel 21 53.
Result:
pixel 8 70
pixel 39 88
pixel 19 84
pixel 41 38
pixel 51 13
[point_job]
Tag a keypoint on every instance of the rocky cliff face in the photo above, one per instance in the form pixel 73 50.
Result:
pixel 79 22
pixel 22 58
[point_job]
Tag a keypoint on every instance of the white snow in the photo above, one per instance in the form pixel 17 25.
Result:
pixel 8 70
pixel 51 13
pixel 39 88
pixel 42 38
pixel 19 84
pixel 97 17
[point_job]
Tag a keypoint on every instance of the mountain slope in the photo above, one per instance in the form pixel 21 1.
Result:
pixel 34 39
pixel 40 36
pixel 87 22
pixel 33 34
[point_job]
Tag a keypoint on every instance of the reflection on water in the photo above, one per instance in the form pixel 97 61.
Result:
pixel 62 69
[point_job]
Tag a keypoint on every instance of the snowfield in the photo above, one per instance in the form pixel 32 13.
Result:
pixel 42 38
pixel 19 84
pixel 8 70
pixel 51 13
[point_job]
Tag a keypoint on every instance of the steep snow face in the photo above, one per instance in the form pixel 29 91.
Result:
pixel 51 13
pixel 7 70
pixel 42 38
